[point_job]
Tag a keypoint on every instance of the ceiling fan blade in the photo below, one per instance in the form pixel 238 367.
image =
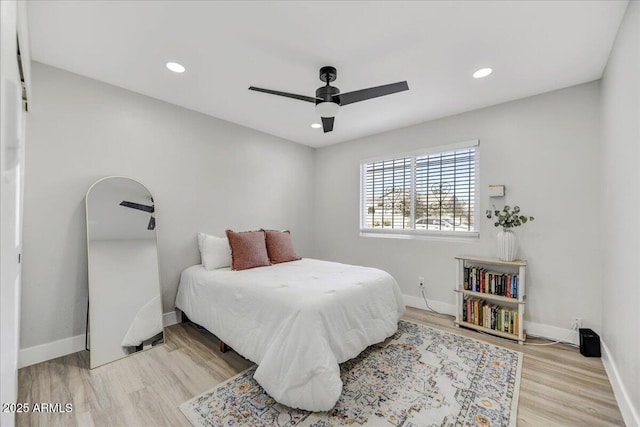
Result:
pixel 288 95
pixel 152 223
pixel 372 92
pixel 327 124
pixel 137 206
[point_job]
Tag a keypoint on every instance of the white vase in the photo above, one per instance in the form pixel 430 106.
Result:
pixel 507 244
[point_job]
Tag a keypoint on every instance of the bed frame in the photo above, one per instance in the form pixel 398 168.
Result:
pixel 223 347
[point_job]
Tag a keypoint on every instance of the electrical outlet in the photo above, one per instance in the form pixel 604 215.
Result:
pixel 577 323
pixel 420 282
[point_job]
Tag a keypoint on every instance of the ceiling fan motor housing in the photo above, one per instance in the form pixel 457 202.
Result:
pixel 326 93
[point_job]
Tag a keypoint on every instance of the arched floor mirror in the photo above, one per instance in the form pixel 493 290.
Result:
pixel 125 308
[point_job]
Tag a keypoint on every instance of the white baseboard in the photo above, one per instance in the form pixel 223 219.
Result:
pixel 43 352
pixel 170 318
pixel 629 412
pixel 40 353
pixel 552 332
pixel 441 307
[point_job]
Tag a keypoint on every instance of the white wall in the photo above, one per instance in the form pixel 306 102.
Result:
pixel 621 200
pixel 545 149
pixel 205 175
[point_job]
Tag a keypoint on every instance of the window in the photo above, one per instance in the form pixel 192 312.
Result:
pixel 427 192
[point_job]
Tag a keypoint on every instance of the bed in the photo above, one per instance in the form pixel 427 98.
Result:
pixel 297 320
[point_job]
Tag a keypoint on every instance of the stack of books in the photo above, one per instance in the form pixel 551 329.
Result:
pixel 479 279
pixel 484 313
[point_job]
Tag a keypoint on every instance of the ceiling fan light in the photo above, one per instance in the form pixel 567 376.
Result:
pixel 327 109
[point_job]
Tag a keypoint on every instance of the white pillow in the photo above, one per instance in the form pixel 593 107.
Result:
pixel 214 251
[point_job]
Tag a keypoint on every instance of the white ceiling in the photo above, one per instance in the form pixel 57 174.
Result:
pixel 533 47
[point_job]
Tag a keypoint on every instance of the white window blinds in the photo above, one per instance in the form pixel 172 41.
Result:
pixel 388 194
pixel 423 193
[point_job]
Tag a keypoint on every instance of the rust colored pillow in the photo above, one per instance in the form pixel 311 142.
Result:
pixel 248 249
pixel 280 246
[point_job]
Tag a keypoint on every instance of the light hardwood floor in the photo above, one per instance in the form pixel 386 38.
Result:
pixel 559 386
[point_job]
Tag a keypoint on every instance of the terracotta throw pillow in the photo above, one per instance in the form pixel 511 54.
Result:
pixel 280 246
pixel 248 249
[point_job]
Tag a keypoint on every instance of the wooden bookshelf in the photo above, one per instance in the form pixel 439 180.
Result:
pixel 517 267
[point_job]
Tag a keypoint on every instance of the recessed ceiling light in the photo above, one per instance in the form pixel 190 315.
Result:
pixel 482 72
pixel 316 125
pixel 175 67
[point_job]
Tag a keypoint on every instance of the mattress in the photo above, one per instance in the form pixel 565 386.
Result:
pixel 296 320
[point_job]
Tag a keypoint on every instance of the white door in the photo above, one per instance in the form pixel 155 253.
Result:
pixel 11 173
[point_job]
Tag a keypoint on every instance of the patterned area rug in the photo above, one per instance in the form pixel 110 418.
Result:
pixel 418 377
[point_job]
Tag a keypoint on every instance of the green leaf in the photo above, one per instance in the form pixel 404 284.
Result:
pixel 508 217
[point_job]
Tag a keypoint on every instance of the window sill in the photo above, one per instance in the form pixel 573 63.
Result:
pixel 444 236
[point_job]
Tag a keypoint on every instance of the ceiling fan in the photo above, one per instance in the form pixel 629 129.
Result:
pixel 328 98
pixel 144 208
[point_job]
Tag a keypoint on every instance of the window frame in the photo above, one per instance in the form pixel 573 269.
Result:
pixel 412 232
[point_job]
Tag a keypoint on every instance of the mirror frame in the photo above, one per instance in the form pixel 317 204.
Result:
pixel 88 329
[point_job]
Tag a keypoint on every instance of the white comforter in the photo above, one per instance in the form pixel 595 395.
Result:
pixel 296 320
pixel 146 324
